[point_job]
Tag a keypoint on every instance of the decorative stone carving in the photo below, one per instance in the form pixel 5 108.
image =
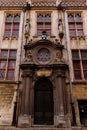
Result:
pixel 43 55
pixel 43 59
pixel 27 26
pixel 29 57
pixel 58 55
pixel 44 72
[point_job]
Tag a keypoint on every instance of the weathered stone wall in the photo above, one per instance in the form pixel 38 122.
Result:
pixel 6 103
pixel 79 92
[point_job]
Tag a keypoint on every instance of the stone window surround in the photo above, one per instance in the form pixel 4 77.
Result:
pixel 76 36
pixel 13 14
pixel 43 13
pixel 81 61
pixel 8 64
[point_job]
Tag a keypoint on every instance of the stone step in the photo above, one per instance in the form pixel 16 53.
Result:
pixel 32 128
pixel 41 128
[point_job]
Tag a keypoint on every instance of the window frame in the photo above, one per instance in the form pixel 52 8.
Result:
pixel 8 59
pixel 12 23
pixel 78 32
pixel 44 23
pixel 81 60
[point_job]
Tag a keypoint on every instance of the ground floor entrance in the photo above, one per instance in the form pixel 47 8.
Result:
pixel 83 111
pixel 43 97
pixel 43 102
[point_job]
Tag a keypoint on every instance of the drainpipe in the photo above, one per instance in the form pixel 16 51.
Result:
pixel 70 81
pixel 14 121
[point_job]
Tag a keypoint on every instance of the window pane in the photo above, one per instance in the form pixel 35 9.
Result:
pixel 8 30
pixel 47 18
pixel 8 27
pixel 83 54
pixel 71 26
pixel 80 33
pixel 15 29
pixel 15 33
pixel 84 63
pixel 17 18
pixel 7 33
pixel 85 74
pixel 16 26
pixel 10 74
pixel 9 18
pixel 2 74
pixel 40 18
pixel 39 32
pixel 2 64
pixel 4 54
pixel 70 18
pixel 78 18
pixel 47 26
pixel 13 54
pixel 39 26
pixel 76 64
pixel 12 64
pixel 72 33
pixel 79 26
pixel 77 74
pixel 75 54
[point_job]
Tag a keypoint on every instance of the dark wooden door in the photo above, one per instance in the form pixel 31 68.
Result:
pixel 43 103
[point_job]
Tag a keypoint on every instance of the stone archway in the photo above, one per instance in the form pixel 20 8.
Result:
pixel 44 74
pixel 43 102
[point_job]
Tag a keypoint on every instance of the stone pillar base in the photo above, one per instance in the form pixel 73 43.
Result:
pixel 24 121
pixel 61 121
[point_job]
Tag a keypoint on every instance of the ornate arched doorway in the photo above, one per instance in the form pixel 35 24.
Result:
pixel 43 102
pixel 43 73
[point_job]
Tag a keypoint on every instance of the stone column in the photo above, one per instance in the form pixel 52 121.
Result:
pixel 59 110
pixel 25 117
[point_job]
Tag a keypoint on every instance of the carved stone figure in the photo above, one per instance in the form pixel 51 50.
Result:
pixel 29 57
pixel 27 26
pixel 58 55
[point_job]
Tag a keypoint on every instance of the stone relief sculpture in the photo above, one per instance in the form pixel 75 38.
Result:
pixel 28 57
pixel 58 55
pixel 27 26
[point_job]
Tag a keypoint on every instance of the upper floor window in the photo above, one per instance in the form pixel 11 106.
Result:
pixel 79 58
pixel 7 64
pixel 12 25
pixel 75 25
pixel 44 23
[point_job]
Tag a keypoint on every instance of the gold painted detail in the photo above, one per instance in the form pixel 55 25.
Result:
pixel 44 72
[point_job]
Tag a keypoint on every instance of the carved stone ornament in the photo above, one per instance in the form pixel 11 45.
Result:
pixel 44 72
pixel 29 57
pixel 43 55
pixel 58 55
pixel 27 26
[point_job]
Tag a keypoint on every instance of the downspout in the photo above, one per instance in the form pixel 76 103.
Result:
pixel 14 121
pixel 70 80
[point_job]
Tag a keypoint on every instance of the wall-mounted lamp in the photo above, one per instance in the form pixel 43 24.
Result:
pixel 44 35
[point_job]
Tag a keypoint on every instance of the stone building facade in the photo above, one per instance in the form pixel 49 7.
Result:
pixel 43 63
